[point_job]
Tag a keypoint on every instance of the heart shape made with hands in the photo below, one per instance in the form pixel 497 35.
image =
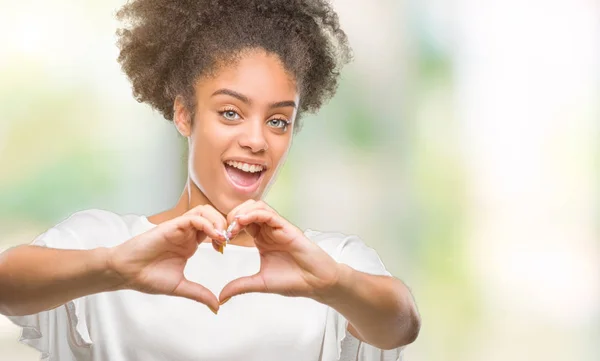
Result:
pixel 290 264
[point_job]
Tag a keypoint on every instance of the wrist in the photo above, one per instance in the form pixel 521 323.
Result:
pixel 338 291
pixel 112 279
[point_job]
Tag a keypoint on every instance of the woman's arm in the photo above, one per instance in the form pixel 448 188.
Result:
pixel 380 309
pixel 35 279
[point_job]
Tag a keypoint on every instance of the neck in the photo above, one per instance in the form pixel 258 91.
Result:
pixel 192 197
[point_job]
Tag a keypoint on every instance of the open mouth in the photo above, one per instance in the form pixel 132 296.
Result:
pixel 244 177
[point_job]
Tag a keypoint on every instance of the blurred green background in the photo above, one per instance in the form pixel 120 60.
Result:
pixel 462 146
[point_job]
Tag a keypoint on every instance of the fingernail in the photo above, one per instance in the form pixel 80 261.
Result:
pixel 225 300
pixel 238 216
pixel 213 311
pixel 226 237
pixel 231 226
pixel 221 249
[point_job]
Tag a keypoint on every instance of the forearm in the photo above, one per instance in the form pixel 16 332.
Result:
pixel 379 308
pixel 34 279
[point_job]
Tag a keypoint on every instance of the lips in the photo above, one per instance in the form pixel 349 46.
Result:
pixel 243 182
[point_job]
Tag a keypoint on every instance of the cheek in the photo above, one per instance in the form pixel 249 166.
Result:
pixel 280 148
pixel 206 152
pixel 278 152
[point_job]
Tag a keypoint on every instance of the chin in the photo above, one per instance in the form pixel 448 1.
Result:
pixel 227 204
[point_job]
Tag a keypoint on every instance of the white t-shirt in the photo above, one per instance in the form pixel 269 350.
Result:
pixel 129 325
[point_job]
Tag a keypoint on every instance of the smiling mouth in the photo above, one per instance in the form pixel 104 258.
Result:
pixel 246 179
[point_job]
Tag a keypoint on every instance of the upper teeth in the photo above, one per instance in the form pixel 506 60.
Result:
pixel 252 168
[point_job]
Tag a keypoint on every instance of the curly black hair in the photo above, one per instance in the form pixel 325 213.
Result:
pixel 167 45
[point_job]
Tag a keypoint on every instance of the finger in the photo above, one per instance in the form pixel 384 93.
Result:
pixel 205 226
pixel 231 215
pixel 217 246
pixel 234 228
pixel 198 293
pixel 244 208
pixel 209 212
pixel 243 285
pixel 176 228
pixel 269 218
pixel 252 221
pixel 228 232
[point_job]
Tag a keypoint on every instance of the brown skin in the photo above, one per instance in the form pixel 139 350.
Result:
pixel 213 138
pixel 291 265
pixel 380 310
pixel 153 262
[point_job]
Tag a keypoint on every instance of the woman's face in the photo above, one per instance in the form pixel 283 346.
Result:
pixel 242 129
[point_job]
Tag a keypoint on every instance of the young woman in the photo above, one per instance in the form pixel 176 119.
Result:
pixel 234 77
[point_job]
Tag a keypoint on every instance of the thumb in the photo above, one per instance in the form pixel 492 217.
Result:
pixel 254 283
pixel 198 293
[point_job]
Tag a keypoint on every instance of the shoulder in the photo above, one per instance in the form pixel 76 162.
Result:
pixel 349 249
pixel 88 217
pixel 91 220
pixel 87 229
pixel 337 244
pixel 330 242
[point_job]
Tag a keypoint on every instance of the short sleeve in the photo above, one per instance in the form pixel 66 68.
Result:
pixel 356 254
pixel 339 344
pixel 63 329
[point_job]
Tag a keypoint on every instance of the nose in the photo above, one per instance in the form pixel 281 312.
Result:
pixel 253 137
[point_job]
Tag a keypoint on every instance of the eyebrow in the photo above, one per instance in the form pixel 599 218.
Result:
pixel 245 99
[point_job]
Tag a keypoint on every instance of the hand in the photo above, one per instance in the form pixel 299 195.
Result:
pixel 153 262
pixel 290 263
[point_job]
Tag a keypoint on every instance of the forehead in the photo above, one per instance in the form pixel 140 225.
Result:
pixel 255 73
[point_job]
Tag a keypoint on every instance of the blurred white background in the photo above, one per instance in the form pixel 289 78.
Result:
pixel 463 145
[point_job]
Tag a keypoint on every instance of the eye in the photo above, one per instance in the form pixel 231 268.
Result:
pixel 279 123
pixel 230 114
